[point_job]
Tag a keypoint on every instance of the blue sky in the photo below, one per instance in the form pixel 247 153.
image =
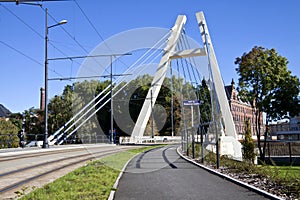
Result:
pixel 235 27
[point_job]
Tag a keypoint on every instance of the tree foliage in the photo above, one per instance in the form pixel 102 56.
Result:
pixel 8 134
pixel 60 109
pixel 204 97
pixel 268 85
pixel 248 144
pixel 132 96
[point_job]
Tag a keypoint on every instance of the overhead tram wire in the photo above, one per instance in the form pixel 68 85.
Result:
pixel 34 31
pixel 29 57
pixel 21 20
pixel 20 52
pixel 95 29
pixel 31 28
pixel 85 107
pixel 90 22
pixel 80 45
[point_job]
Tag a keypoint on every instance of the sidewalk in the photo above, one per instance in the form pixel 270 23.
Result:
pixel 162 174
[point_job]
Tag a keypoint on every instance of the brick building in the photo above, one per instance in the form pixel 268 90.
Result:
pixel 240 111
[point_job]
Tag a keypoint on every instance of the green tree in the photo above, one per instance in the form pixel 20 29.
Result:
pixel 60 110
pixel 204 97
pixel 268 85
pixel 248 144
pixel 8 134
pixel 33 124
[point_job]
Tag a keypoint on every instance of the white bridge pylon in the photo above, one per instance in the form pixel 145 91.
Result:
pixel 229 144
pixel 158 79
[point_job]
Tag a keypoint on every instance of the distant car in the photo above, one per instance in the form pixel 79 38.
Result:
pixel 34 144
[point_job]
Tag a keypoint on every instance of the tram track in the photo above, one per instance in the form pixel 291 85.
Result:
pixel 34 154
pixel 15 179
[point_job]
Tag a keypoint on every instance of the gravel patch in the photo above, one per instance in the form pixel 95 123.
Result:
pixel 257 181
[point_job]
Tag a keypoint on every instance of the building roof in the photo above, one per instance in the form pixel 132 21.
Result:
pixel 4 112
pixel 228 90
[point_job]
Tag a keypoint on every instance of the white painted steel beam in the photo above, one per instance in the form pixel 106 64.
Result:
pixel 189 53
pixel 230 144
pixel 158 79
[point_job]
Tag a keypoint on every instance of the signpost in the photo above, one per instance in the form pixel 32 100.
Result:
pixel 192 103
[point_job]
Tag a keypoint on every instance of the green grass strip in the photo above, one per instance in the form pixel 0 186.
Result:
pixel 93 181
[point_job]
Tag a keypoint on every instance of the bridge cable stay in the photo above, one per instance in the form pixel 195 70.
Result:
pixel 115 93
pixel 193 66
pixel 191 60
pixel 201 123
pixel 183 133
pixel 102 105
pixel 101 93
pixel 192 78
pixel 106 94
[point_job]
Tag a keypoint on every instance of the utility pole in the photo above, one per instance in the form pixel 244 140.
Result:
pixel 45 142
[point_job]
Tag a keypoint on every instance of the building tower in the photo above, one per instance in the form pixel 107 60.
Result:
pixel 42 99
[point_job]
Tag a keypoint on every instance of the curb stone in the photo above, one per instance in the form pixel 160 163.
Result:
pixel 245 185
pixel 114 188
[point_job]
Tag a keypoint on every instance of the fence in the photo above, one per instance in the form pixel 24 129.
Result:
pixel 286 148
pixel 31 140
pixel 283 152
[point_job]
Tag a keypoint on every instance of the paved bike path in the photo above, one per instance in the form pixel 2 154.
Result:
pixel 162 174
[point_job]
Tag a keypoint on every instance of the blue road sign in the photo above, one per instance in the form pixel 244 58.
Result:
pixel 191 102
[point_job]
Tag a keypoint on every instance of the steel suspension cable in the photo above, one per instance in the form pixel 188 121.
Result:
pixel 108 92
pixel 96 111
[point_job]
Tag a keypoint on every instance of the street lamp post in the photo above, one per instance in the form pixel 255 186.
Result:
pixel 45 143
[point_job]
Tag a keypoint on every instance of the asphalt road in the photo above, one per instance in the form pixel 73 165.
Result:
pixel 162 174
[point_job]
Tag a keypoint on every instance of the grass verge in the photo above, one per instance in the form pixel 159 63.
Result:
pixel 93 181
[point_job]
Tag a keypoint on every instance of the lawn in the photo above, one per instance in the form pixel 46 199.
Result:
pixel 93 181
pixel 286 171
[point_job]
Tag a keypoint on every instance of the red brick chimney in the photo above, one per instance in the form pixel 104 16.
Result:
pixel 42 100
